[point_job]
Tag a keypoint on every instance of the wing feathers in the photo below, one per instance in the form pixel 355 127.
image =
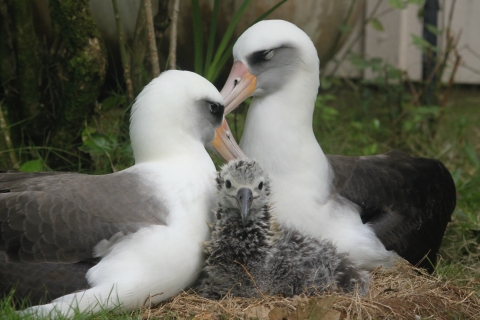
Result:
pixel 408 201
pixel 60 217
pixel 41 282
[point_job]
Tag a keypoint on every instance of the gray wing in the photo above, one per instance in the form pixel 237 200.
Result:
pixel 41 282
pixel 407 200
pixel 60 217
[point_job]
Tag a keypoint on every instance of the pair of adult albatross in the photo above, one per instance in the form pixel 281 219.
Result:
pixel 136 234
pixel 371 206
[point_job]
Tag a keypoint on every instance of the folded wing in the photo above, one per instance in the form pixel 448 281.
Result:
pixel 61 217
pixel 408 201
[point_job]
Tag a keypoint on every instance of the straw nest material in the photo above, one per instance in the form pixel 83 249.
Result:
pixel 400 293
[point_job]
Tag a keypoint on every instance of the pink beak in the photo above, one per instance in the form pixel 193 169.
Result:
pixel 239 86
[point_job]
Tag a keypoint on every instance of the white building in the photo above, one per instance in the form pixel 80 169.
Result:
pixel 394 44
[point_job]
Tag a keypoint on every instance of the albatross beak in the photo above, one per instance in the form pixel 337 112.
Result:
pixel 239 86
pixel 225 144
pixel 244 201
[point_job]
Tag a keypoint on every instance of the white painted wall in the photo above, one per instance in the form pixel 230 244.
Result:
pixel 394 44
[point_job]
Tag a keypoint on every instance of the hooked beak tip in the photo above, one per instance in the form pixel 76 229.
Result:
pixel 225 144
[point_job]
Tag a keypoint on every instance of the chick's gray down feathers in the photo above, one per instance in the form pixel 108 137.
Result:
pixel 257 256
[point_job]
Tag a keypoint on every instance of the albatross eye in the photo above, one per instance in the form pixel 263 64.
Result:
pixel 260 186
pixel 228 184
pixel 268 54
pixel 216 108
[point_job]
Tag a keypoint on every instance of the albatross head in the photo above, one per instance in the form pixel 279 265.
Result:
pixel 175 113
pixel 244 186
pixel 270 56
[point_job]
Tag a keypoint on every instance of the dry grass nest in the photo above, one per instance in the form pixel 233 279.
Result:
pixel 403 292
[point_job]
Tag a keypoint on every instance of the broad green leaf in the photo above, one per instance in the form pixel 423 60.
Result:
pixel 32 166
pixel 376 24
pixel 113 101
pixel 87 132
pixel 97 144
pixel 370 149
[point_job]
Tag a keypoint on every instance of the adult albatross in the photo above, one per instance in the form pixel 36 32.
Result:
pixel 369 206
pixel 136 234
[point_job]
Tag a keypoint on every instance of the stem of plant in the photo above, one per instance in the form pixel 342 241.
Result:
pixel 173 35
pixel 123 52
pixel 458 59
pixel 338 62
pixel 151 39
pixel 8 140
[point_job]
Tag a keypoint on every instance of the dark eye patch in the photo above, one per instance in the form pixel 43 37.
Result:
pixel 258 57
pixel 216 108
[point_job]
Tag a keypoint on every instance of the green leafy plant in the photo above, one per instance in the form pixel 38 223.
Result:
pixel 33 166
pixel 215 60
pixel 108 152
pixel 410 106
pixel 106 138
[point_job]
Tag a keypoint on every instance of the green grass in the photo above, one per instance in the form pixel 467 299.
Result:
pixel 8 311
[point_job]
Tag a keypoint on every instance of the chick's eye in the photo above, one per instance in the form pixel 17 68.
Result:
pixel 228 184
pixel 260 186
pixel 268 54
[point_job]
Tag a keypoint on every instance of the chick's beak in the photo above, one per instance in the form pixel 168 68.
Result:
pixel 239 86
pixel 225 144
pixel 244 201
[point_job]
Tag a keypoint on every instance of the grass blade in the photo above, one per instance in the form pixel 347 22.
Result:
pixel 226 38
pixel 222 61
pixel 211 36
pixel 197 36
